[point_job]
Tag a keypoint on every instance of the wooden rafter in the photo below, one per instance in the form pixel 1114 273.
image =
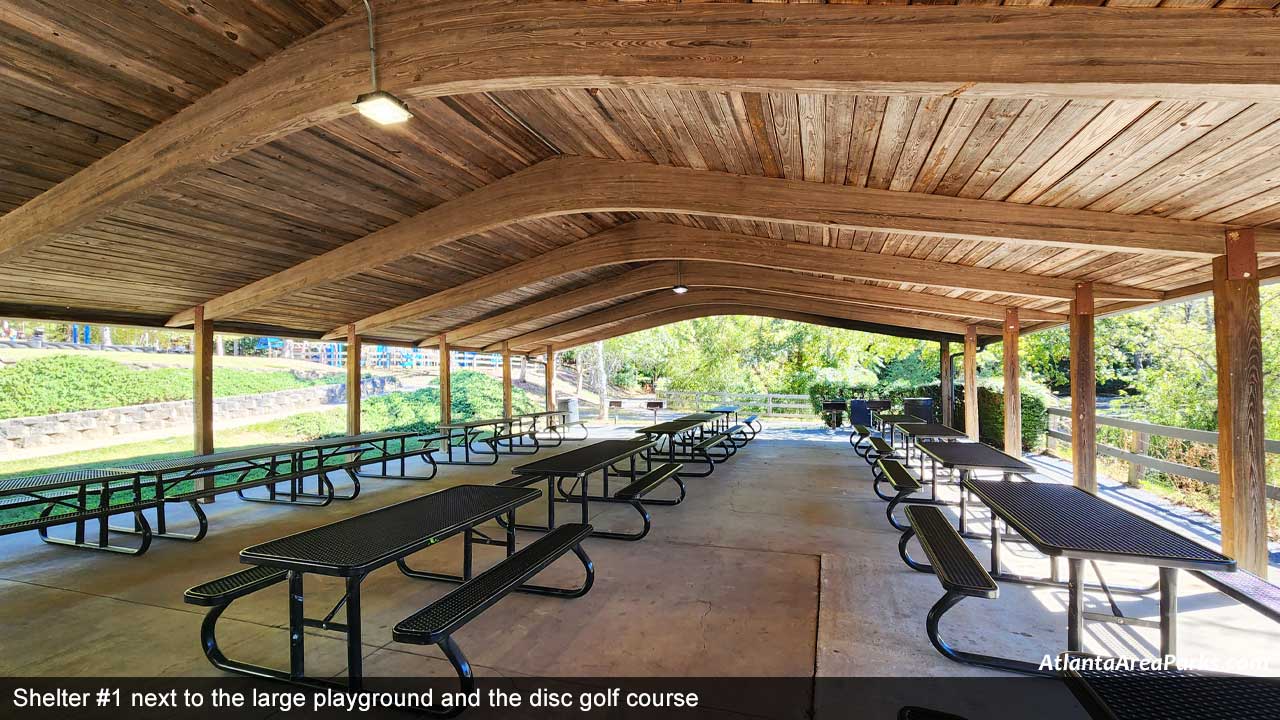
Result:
pixel 573 185
pixel 666 317
pixel 709 274
pixel 749 298
pixel 644 241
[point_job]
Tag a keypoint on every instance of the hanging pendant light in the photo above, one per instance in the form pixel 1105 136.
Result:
pixel 379 106
pixel 679 288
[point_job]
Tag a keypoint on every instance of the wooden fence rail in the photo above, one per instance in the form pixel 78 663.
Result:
pixel 762 403
pixel 1136 456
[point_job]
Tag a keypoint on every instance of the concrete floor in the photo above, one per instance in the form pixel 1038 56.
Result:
pixel 780 564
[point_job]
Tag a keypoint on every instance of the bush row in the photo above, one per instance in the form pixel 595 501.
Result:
pixel 1036 399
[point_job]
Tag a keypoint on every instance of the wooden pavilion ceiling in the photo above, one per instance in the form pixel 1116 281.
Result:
pixel 82 80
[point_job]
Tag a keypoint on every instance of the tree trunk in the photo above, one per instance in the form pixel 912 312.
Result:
pixel 602 378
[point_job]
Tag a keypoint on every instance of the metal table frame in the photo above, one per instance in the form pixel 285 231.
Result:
pixel 630 451
pixel 1076 557
pixel 354 574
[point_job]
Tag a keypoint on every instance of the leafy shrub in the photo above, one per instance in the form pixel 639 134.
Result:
pixel 837 384
pixel 68 383
pixel 1035 418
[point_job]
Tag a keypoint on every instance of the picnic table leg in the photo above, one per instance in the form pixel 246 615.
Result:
pixel 1168 612
pixel 964 500
pixel 297 656
pixel 1075 604
pixel 467 537
pixel 355 653
pixel 995 544
pixel 585 514
pixel 511 533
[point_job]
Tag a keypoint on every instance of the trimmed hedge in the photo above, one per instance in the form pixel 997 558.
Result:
pixel 1035 401
pixel 69 383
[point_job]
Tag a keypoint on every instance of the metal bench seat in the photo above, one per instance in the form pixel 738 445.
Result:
pixel 860 435
pixel 878 448
pixel 738 436
pixel 231 587
pixel 961 575
pixel 902 482
pixel 521 481
pixel 436 623
pixel 754 426
pixel 1246 588
pixel 647 482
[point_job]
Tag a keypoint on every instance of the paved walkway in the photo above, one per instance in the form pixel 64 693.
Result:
pixel 779 564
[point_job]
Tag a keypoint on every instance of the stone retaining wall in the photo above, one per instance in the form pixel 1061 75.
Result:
pixel 68 428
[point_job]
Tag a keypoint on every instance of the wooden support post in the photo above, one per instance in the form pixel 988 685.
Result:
pixel 506 380
pixel 946 385
pixel 1012 391
pixel 446 400
pixel 971 382
pixel 1241 456
pixel 1137 446
pixel 1084 383
pixel 202 391
pixel 354 347
pixel 551 378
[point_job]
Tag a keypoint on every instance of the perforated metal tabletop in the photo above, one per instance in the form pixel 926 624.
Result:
pixel 475 423
pixel 897 418
pixel 930 430
pixel 53 481
pixel 362 543
pixel 1175 695
pixel 586 459
pixel 973 456
pixel 1065 520
pixel 673 427
pixel 725 409
pixel 226 457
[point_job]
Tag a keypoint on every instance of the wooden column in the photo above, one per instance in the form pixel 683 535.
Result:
pixel 202 391
pixel 551 378
pixel 1241 458
pixel 946 385
pixel 506 380
pixel 1012 392
pixel 1084 382
pixel 354 347
pixel 971 382
pixel 446 399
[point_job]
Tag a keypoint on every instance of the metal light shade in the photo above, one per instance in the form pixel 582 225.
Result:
pixel 383 108
pixel 680 289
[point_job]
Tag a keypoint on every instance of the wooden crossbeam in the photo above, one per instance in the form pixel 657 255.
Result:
pixel 666 317
pixel 571 185
pixel 644 241
pixel 662 301
pixel 659 275
pixel 460 46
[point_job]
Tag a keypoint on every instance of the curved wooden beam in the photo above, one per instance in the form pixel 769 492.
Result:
pixel 667 317
pixel 644 241
pixel 571 185
pixel 668 301
pixel 464 46
pixel 661 275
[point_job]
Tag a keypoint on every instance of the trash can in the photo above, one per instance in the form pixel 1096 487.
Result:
pixel 859 413
pixel 920 407
pixel 569 405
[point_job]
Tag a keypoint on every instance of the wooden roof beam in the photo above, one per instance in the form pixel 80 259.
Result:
pixel 645 241
pixel 667 317
pixel 661 275
pixel 463 46
pixel 572 185
pixel 719 296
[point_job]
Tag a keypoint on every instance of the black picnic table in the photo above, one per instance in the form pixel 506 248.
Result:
pixel 470 431
pixel 1065 521
pixel 671 429
pixel 724 411
pixel 72 491
pixel 968 458
pixel 916 432
pixel 579 464
pixel 890 420
pixel 356 546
